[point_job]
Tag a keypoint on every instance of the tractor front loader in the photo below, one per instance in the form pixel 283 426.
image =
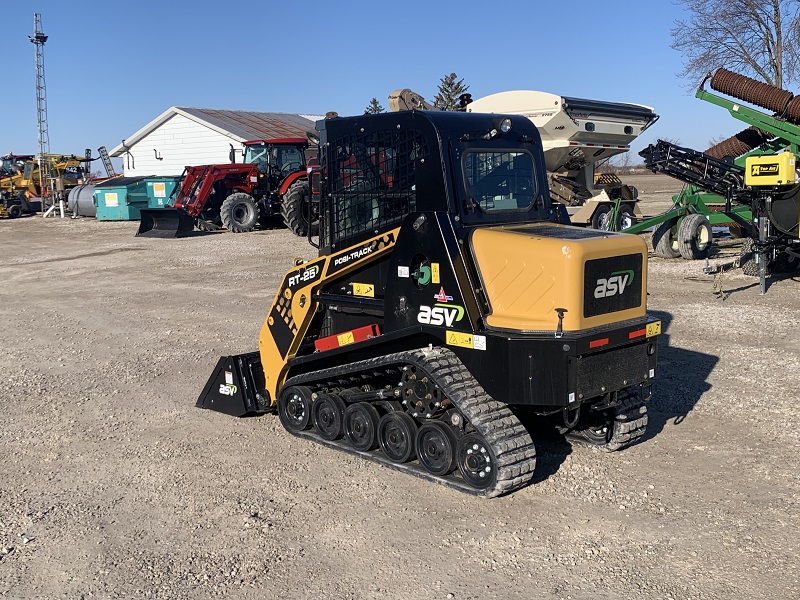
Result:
pixel 449 302
pixel 234 196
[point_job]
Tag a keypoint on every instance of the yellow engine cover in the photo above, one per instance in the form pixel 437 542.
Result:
pixel 770 170
pixel 528 271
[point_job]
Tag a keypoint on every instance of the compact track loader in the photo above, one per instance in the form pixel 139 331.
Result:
pixel 450 302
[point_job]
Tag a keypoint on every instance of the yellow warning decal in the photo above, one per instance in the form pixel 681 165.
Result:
pixel 466 340
pixel 345 338
pixel 435 273
pixel 653 329
pixel 364 289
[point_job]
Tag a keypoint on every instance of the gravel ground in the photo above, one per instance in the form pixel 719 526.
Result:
pixel 115 486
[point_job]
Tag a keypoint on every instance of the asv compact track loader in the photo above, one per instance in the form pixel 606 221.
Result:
pixel 449 298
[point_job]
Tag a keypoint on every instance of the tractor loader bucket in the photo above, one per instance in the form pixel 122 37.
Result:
pixel 236 386
pixel 165 223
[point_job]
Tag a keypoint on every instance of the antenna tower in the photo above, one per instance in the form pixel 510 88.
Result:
pixel 43 157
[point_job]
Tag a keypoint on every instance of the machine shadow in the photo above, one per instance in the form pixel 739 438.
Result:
pixel 681 380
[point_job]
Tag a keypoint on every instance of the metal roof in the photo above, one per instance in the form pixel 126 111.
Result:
pixel 240 125
pixel 251 125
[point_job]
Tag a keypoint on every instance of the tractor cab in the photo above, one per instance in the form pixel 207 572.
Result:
pixel 276 159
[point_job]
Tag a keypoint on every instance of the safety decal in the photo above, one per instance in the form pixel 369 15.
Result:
pixel 346 338
pixel 435 273
pixel 403 272
pixel 653 329
pixel 364 289
pixel 466 340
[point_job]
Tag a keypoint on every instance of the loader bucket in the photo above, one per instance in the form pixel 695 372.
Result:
pixel 165 223
pixel 236 386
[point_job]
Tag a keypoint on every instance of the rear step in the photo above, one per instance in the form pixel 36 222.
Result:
pixel 165 223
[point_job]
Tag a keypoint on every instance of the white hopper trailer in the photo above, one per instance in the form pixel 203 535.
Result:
pixel 577 134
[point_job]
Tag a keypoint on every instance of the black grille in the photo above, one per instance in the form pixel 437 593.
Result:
pixel 371 182
pixel 612 284
pixel 611 370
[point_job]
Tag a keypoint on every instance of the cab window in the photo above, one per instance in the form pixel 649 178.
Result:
pixel 499 181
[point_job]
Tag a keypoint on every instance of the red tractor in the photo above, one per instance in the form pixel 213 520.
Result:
pixel 238 196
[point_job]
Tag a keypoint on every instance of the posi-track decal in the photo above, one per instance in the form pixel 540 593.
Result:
pixel 343 259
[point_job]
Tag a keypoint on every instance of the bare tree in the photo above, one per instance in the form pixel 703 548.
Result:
pixel 758 38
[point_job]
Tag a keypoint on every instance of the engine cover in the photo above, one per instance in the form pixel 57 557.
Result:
pixel 528 271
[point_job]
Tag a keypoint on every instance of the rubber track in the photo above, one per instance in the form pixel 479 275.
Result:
pixel 501 429
pixel 630 423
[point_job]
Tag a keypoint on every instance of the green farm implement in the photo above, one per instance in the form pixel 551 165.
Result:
pixel 748 182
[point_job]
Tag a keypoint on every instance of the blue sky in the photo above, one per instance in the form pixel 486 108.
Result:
pixel 111 67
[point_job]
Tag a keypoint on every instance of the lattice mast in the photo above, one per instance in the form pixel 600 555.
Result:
pixel 43 158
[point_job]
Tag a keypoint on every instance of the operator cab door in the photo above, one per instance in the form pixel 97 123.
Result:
pixel 500 185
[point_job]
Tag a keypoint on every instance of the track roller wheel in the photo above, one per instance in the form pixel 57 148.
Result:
pixel 436 445
pixel 361 426
pixel 327 413
pixel 397 435
pixel 694 237
pixel 294 408
pixel 476 461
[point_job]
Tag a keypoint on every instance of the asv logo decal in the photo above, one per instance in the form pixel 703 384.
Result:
pixel 616 284
pixel 441 314
pixel 227 389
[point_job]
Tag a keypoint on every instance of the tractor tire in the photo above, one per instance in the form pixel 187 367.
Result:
pixel 665 239
pixel 295 208
pixel 694 237
pixel 239 213
pixel 14 211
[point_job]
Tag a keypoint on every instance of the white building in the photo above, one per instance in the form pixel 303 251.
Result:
pixel 181 137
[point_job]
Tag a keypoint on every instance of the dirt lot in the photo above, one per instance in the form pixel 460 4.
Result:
pixel 115 486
